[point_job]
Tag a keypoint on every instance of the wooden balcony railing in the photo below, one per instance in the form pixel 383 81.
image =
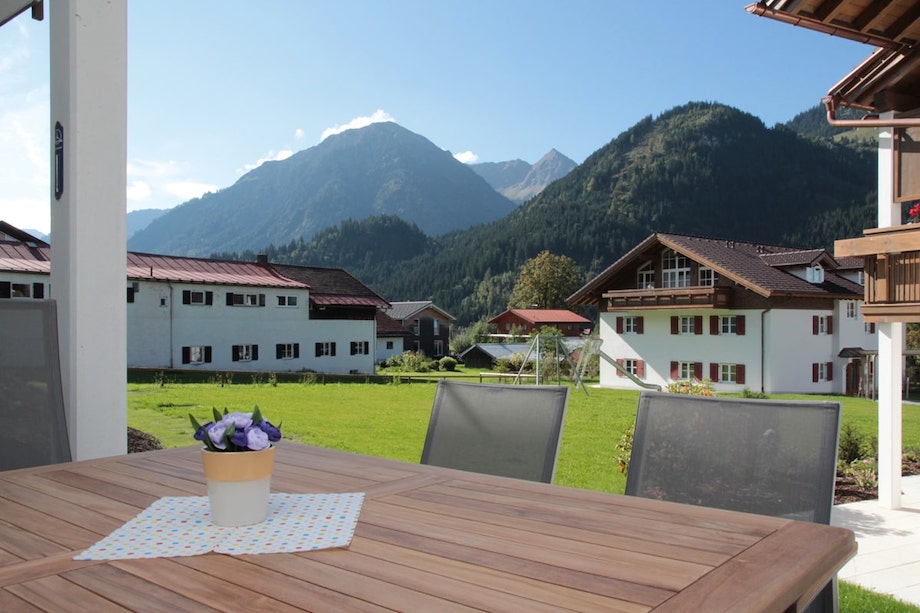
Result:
pixel 892 269
pixel 668 297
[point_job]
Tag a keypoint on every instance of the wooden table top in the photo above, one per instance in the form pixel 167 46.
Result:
pixel 428 539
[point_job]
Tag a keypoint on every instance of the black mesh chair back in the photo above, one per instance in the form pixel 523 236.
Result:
pixel 772 457
pixel 506 430
pixel 33 431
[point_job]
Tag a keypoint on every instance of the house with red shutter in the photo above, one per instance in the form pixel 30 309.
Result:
pixel 526 321
pixel 742 315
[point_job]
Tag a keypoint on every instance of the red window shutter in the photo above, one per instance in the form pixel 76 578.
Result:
pixel 814 324
pixel 675 324
pixel 739 325
pixel 713 371
pixel 714 324
pixel 698 370
pixel 640 369
pixel 640 325
pixel 739 373
pixel 830 324
pixel 619 325
pixel 674 370
pixel 620 362
pixel 830 371
pixel 871 328
pixel 698 324
pixel 814 373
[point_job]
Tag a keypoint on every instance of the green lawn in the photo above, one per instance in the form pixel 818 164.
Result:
pixel 390 420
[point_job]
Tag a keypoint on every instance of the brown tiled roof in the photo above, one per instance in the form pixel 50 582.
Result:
pixel 758 267
pixel 387 326
pixel 148 267
pixel 332 286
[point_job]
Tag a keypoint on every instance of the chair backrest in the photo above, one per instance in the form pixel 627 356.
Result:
pixel 507 430
pixel 33 430
pixel 772 457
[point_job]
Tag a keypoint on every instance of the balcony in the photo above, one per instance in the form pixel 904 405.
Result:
pixel 668 297
pixel 892 268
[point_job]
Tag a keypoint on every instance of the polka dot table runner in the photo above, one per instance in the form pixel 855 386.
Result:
pixel 181 526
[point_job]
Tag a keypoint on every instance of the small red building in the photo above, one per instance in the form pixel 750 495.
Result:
pixel 528 320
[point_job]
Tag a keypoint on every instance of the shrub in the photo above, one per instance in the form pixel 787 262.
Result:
pixel 851 446
pixel 448 364
pixel 692 387
pixel 624 449
pixel 748 393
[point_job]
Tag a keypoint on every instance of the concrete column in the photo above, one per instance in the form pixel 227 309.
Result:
pixel 88 217
pixel 890 347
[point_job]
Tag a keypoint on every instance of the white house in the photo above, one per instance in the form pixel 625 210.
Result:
pixel 744 315
pixel 193 313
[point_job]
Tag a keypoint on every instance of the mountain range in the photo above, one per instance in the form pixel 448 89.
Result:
pixel 381 169
pixel 519 181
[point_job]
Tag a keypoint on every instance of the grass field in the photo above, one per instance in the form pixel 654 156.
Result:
pixel 390 420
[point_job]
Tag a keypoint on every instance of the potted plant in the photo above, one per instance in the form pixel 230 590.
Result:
pixel 238 458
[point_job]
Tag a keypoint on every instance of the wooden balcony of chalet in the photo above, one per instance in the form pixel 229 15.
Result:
pixel 892 269
pixel 668 297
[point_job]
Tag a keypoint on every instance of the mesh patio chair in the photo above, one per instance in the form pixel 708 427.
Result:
pixel 771 457
pixel 33 431
pixel 506 430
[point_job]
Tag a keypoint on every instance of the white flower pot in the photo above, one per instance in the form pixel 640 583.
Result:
pixel 239 484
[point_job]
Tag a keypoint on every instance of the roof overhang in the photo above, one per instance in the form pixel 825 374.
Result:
pixel 10 9
pixel 889 79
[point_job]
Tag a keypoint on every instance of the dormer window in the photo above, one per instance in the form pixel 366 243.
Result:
pixel 707 276
pixel 646 277
pixel 815 274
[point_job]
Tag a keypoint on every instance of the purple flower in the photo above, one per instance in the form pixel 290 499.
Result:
pixel 256 439
pixel 216 434
pixel 240 420
pixel 274 434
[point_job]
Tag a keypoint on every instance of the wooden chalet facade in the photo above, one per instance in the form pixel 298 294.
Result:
pixel 744 315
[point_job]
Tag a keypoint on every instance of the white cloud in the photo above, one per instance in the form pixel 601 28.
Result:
pixel 271 156
pixel 298 134
pixel 189 189
pixel 358 122
pixel 138 190
pixel 467 157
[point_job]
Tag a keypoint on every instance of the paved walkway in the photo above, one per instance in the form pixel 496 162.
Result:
pixel 888 560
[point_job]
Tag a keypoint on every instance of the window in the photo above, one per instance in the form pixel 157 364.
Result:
pixel 675 269
pixel 687 324
pixel 360 348
pixel 245 353
pixel 632 366
pixel 249 300
pixel 162 302
pixel 326 348
pixel 389 344
pixel 686 370
pixel 632 324
pixel 707 276
pixel 726 324
pixel 287 351
pixel 869 328
pixel 197 298
pixel 861 277
pixel 415 327
pixel 852 309
pixel 646 277
pixel 822 324
pixel 815 274
pixel 822 371
pixel 196 354
pixel 437 327
pixel 287 301
pixel 438 347
pixel 727 373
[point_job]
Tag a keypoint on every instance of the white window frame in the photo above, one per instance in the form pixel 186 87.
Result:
pixel 645 277
pixel 438 347
pixel 196 297
pixel 728 324
pixel 687 325
pixel 686 371
pixel 246 300
pixel 815 274
pixel 630 324
pixel 822 324
pixel 675 269
pixel 631 365
pixel 868 328
pixel 325 348
pixel 852 310
pixel 728 373
pixel 707 276
pixel 287 351
pixel 244 353
pixel 287 301
pixel 822 371
pixel 196 354
pixel 437 326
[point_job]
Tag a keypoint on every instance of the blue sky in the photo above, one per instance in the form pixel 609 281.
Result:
pixel 215 87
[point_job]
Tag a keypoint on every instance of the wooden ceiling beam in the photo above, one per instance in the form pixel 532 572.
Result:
pixel 824 10
pixel 902 23
pixel 870 14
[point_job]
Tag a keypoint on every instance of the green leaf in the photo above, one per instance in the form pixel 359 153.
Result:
pixel 217 415
pixel 256 416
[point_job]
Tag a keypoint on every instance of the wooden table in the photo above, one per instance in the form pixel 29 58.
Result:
pixel 428 539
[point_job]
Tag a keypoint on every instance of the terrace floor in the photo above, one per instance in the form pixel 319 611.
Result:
pixel 888 560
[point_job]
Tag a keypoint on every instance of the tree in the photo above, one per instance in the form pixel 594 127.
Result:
pixel 546 281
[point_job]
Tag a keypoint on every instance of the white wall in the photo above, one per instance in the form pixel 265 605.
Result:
pixel 383 353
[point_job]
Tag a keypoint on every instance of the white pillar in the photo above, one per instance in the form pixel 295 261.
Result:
pixel 890 347
pixel 88 217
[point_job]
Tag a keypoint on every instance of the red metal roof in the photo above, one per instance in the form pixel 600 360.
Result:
pixel 19 257
pixel 546 316
pixel 148 267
